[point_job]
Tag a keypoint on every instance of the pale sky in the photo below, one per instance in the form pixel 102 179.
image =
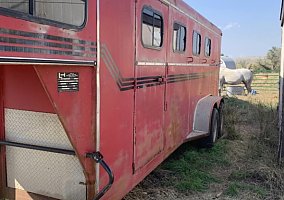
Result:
pixel 250 27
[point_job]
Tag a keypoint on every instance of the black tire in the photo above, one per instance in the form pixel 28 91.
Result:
pixel 209 141
pixel 221 120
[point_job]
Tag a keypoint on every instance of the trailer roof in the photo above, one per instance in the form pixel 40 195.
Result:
pixel 180 4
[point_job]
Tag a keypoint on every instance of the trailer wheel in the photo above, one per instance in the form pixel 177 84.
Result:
pixel 209 141
pixel 221 120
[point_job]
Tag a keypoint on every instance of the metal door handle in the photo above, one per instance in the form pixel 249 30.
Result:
pixel 189 59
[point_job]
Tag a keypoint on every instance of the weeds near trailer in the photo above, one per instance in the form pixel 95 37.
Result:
pixel 193 167
pixel 242 165
pixel 231 120
pixel 235 188
pixel 256 173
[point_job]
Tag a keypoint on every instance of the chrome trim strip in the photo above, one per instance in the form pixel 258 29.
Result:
pixel 189 64
pixel 151 63
pixel 163 64
pixel 98 97
pixel 44 61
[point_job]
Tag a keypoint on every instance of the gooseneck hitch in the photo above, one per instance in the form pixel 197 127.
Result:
pixel 98 157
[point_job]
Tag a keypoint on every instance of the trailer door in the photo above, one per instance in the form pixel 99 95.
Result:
pixel 150 71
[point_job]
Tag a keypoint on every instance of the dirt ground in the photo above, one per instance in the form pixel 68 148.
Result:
pixel 251 149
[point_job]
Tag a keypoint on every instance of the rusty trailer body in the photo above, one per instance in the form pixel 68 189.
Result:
pixel 131 81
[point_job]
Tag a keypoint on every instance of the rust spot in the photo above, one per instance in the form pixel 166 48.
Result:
pixel 174 130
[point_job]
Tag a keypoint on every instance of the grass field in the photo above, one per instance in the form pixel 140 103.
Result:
pixel 242 165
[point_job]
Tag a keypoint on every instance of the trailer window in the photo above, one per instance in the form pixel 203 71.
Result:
pixel 69 12
pixel 207 47
pixel 152 28
pixel 179 38
pixel 196 43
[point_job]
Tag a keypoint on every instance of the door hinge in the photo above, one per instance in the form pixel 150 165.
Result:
pixel 167 68
pixel 133 168
pixel 135 85
pixel 166 106
pixel 134 137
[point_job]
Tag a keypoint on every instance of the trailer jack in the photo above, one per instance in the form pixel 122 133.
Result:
pixel 98 157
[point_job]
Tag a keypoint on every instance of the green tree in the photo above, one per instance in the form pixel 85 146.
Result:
pixel 263 64
pixel 274 55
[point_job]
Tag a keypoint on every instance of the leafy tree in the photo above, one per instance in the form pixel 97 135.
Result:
pixel 268 63
pixel 274 55
pixel 263 63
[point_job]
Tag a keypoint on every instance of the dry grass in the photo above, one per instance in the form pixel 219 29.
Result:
pixel 255 172
pixel 250 148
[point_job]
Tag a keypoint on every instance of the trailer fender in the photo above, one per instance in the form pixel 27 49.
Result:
pixel 203 112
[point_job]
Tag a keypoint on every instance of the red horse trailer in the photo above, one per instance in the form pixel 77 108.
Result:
pixel 94 95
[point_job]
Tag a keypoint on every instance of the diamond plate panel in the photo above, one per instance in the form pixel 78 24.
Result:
pixel 43 129
pixel 53 175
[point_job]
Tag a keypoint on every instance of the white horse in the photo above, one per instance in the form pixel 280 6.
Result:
pixel 235 77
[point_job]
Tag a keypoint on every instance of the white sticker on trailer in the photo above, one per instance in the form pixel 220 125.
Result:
pixel 68 81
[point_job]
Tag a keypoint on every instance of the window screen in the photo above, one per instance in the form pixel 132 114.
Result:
pixel 65 11
pixel 196 43
pixel 179 38
pixel 152 28
pixel 207 47
pixel 17 5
